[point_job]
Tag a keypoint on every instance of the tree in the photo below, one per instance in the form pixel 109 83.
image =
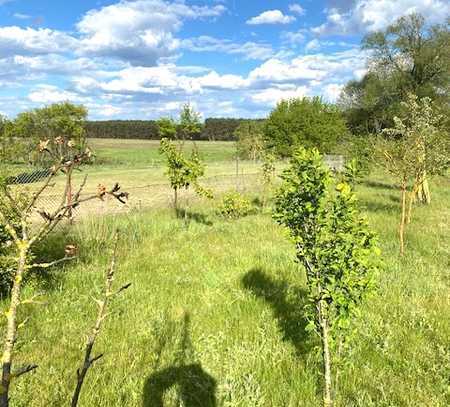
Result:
pixel 167 128
pixel 303 122
pixel 417 146
pixel 63 122
pixel 335 247
pixel 181 171
pixel 410 56
pixel 250 139
pixel 189 123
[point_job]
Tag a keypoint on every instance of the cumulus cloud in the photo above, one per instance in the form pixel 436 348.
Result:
pixel 52 94
pixel 140 31
pixel 373 15
pixel 29 41
pixel 313 45
pixel 271 17
pixel 271 96
pixel 293 37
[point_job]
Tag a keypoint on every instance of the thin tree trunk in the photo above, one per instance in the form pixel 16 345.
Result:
pixel 11 326
pixel 327 398
pixel 403 220
pixel 175 199
pixel 422 194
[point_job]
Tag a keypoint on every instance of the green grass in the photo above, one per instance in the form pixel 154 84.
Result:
pixel 217 308
pixel 144 153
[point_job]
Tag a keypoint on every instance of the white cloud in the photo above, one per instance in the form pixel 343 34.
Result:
pixel 373 15
pixel 293 37
pixel 272 96
pixel 248 50
pixel 28 41
pixel 52 94
pixel 297 9
pixel 271 17
pixel 140 31
pixel 332 91
pixel 21 16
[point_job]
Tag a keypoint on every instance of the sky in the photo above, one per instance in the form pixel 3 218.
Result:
pixel 143 59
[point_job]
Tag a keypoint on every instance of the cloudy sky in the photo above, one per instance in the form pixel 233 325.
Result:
pixel 143 58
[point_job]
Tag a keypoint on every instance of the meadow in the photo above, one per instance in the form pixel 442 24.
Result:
pixel 214 315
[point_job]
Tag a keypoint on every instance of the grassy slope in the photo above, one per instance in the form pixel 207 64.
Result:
pixel 244 343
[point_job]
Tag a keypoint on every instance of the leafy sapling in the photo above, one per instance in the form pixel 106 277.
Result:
pixel 181 171
pixel 334 245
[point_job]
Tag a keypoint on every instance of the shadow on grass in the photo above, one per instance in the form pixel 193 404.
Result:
pixel 189 216
pixel 380 185
pixel 287 302
pixel 194 386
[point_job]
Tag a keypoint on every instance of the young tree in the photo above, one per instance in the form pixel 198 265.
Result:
pixel 189 123
pixel 250 139
pixel 416 147
pixel 335 247
pixel 303 122
pixel 27 233
pixel 181 171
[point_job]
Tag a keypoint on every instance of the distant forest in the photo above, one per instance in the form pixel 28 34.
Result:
pixel 220 129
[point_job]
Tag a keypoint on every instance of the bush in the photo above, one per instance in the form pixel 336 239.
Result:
pixel 234 205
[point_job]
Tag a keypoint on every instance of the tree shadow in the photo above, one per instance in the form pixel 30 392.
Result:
pixel 287 302
pixel 377 206
pixel 189 216
pixel 195 387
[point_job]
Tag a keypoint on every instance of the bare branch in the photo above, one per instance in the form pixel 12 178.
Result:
pixel 51 264
pixel 23 370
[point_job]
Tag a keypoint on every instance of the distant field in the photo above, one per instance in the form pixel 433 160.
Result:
pixel 131 153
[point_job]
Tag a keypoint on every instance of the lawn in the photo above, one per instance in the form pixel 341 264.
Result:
pixel 214 315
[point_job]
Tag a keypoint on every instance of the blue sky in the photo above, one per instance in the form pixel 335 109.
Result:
pixel 143 58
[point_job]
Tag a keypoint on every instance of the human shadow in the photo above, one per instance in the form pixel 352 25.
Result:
pixel 189 216
pixel 287 301
pixel 194 386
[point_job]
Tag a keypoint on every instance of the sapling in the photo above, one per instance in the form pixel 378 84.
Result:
pixel 102 303
pixel 415 149
pixel 335 247
pixel 30 232
pixel 268 174
pixel 182 171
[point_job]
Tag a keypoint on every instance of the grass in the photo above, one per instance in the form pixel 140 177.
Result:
pixel 132 153
pixel 214 316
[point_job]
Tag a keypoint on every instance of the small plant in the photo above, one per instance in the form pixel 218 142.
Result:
pixel 234 205
pixel 102 303
pixel 267 175
pixel 183 172
pixel 335 247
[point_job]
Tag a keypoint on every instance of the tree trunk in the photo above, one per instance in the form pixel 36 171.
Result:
pixel 327 399
pixel 175 199
pixel 11 326
pixel 422 194
pixel 403 220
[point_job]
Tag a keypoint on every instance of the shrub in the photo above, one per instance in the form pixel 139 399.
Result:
pixel 234 205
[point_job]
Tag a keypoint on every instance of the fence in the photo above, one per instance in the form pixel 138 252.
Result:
pixel 146 195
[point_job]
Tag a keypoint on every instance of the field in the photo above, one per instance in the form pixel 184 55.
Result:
pixel 214 315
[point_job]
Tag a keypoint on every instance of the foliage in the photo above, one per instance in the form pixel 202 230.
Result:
pixel 417 146
pixel 189 123
pixel 334 245
pixel 60 123
pixel 123 129
pixel 167 128
pixel 410 56
pixel 181 171
pixel 352 172
pixel 308 122
pixel 234 205
pixel 220 129
pixel 250 139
